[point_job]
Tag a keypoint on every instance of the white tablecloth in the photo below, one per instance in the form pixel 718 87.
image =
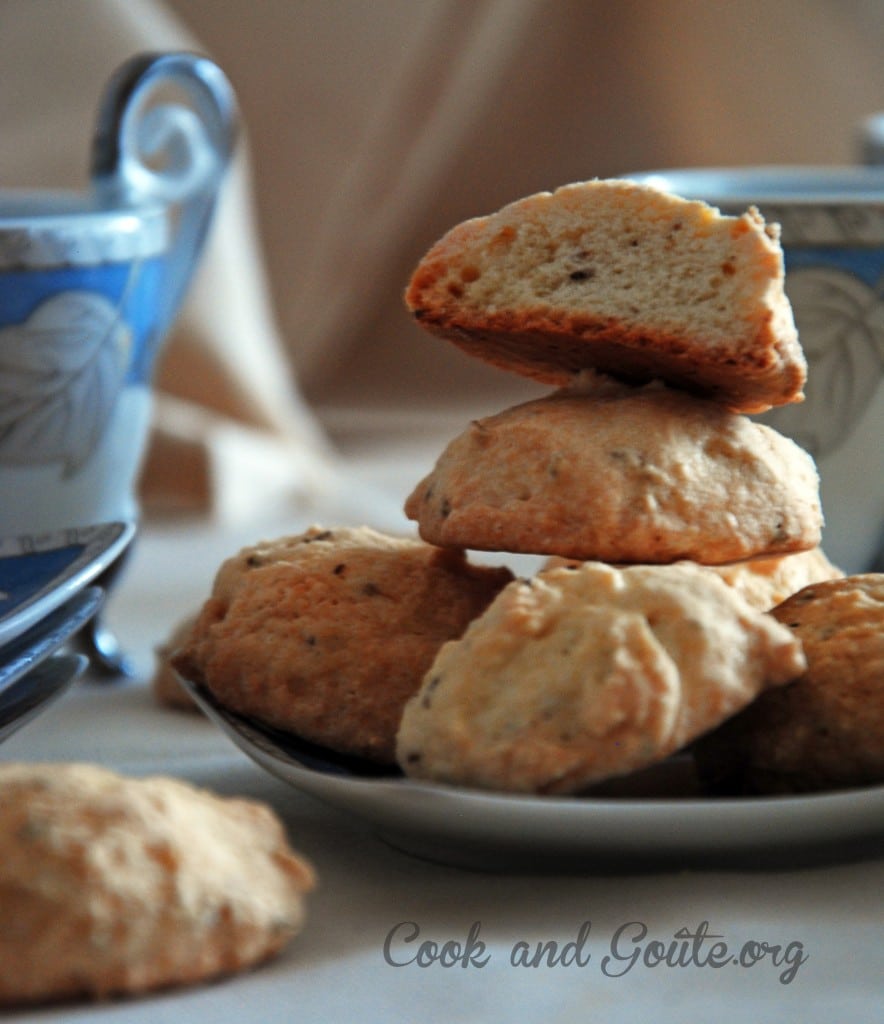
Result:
pixel 336 970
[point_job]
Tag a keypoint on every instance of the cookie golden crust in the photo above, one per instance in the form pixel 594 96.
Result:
pixel 113 886
pixel 327 634
pixel 621 475
pixel 585 673
pixel 622 278
pixel 825 730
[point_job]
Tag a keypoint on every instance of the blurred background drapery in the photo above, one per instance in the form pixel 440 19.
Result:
pixel 372 127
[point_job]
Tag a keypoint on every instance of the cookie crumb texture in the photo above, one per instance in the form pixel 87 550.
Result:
pixel 115 886
pixel 621 475
pixel 326 634
pixel 623 278
pixel 825 730
pixel 589 672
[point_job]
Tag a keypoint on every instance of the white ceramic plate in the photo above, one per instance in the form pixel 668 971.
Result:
pixel 38 573
pixel 488 831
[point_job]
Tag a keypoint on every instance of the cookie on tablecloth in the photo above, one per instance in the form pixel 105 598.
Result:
pixel 115 886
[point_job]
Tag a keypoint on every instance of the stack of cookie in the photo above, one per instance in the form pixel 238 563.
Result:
pixel 663 323
pixel 600 288
pixel 671 522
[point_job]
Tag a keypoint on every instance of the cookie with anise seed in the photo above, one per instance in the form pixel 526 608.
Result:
pixel 326 634
pixel 585 673
pixel 825 730
pixel 614 473
pixel 624 278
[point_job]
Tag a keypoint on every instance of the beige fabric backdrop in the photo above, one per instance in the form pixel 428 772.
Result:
pixel 372 126
pixel 377 125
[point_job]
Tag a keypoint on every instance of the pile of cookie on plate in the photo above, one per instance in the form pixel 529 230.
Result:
pixel 683 603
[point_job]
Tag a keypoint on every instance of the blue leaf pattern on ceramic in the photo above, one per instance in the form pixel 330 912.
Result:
pixel 61 372
pixel 840 323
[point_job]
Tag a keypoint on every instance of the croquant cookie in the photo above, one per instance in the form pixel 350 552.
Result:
pixel 825 730
pixel 623 278
pixel 116 886
pixel 621 474
pixel 326 634
pixel 584 673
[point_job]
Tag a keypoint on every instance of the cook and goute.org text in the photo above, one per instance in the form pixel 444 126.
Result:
pixel 629 947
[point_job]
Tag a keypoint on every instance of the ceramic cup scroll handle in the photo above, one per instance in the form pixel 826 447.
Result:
pixel 151 148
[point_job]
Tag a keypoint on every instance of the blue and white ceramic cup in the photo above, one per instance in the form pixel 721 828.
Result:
pixel 832 222
pixel 89 284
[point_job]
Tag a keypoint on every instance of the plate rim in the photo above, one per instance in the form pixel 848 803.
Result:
pixel 707 819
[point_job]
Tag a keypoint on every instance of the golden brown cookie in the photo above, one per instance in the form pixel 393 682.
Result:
pixel 825 730
pixel 620 474
pixel 763 582
pixel 622 278
pixel 584 673
pixel 328 633
pixel 115 886
pixel 767 582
